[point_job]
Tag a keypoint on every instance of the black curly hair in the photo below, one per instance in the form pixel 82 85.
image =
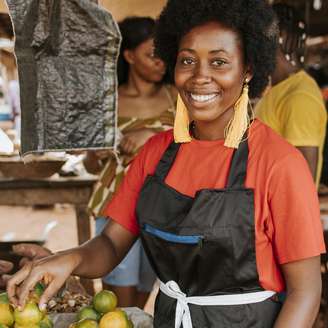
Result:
pixel 134 30
pixel 254 20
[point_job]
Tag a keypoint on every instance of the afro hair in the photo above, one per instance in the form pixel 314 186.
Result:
pixel 254 20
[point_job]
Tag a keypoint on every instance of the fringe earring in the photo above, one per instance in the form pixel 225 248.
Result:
pixel 181 123
pixel 236 128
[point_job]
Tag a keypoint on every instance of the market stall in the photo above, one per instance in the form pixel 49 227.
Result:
pixel 31 190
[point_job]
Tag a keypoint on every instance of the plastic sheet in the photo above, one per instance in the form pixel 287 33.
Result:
pixel 66 52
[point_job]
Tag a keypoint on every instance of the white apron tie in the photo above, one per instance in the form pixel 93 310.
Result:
pixel 182 313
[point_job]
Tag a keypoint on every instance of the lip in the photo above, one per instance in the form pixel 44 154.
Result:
pixel 201 99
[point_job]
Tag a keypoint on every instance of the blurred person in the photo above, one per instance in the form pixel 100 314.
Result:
pixel 28 252
pixel 294 106
pixel 146 106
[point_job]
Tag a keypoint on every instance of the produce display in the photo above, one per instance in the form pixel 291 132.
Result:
pixel 29 317
pixel 103 313
pixel 100 312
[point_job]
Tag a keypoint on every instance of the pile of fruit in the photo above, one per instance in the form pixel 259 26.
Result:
pixel 103 313
pixel 29 317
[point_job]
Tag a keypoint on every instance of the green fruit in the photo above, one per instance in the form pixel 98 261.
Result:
pixel 46 322
pixel 87 323
pixel 6 315
pixel 88 313
pixel 3 326
pixel 36 294
pixel 105 301
pixel 29 316
pixel 4 298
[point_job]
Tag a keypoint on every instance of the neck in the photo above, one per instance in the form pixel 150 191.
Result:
pixel 213 130
pixel 283 70
pixel 138 87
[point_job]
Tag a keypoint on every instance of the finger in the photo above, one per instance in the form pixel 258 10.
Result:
pixel 15 280
pixel 49 292
pixel 24 261
pixel 31 250
pixel 24 250
pixel 6 266
pixel 28 284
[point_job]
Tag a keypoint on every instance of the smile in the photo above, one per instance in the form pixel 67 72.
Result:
pixel 203 98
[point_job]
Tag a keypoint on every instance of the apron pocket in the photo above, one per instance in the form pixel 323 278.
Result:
pixel 173 238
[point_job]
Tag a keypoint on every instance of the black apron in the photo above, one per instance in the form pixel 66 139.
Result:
pixel 205 244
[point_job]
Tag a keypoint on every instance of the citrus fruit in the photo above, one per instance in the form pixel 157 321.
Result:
pixel 46 322
pixel 4 298
pixel 86 323
pixel 3 326
pixel 6 314
pixel 88 313
pixel 114 319
pixel 105 301
pixel 29 316
pixel 37 292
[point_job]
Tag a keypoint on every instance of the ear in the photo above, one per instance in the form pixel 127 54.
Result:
pixel 129 56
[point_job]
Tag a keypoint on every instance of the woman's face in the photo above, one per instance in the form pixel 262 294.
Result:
pixel 210 70
pixel 145 64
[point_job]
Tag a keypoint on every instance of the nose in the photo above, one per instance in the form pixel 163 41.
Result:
pixel 159 63
pixel 202 74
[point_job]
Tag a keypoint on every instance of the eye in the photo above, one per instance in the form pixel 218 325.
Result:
pixel 219 62
pixel 187 61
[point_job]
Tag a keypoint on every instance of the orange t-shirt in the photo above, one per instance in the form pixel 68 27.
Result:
pixel 287 215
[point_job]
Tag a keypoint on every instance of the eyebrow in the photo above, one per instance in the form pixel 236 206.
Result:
pixel 211 52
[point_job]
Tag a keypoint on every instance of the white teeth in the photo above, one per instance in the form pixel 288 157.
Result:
pixel 203 98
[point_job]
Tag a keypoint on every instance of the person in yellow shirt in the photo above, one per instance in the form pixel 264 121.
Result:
pixel 294 105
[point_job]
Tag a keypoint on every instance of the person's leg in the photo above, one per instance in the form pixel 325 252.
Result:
pixel 147 279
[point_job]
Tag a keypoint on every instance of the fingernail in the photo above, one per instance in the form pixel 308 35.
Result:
pixel 42 307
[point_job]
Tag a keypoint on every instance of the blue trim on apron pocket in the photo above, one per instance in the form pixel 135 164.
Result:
pixel 193 240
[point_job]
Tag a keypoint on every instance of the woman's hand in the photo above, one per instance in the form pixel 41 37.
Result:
pixel 30 252
pixel 134 140
pixel 53 270
pixel 5 267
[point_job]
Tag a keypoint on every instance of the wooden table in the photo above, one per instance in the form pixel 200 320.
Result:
pixel 75 191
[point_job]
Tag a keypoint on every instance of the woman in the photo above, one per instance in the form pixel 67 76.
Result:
pixel 225 229
pixel 145 107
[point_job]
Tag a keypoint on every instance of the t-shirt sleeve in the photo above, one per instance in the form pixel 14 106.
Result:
pixel 295 212
pixel 121 208
pixel 303 121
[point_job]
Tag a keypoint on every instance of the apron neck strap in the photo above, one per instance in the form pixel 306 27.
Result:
pixel 167 160
pixel 238 168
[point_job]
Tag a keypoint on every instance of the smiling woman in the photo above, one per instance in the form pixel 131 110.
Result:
pixel 226 230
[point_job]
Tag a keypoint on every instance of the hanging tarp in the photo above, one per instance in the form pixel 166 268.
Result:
pixel 66 52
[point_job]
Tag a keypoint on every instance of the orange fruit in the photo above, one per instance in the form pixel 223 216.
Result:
pixel 29 316
pixel 6 314
pixel 88 313
pixel 86 323
pixel 114 319
pixel 105 301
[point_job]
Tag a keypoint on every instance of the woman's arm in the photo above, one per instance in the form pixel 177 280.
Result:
pixel 303 281
pixel 93 259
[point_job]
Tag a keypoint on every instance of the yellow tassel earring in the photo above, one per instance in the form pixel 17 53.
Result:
pixel 181 123
pixel 236 128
